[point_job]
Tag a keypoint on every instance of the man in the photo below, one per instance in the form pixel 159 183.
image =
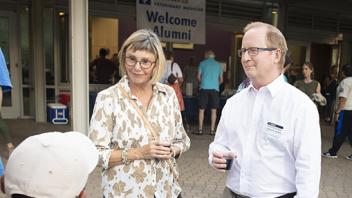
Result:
pixel 210 77
pixel 5 86
pixel 104 68
pixel 50 165
pixel 270 128
pixel 343 114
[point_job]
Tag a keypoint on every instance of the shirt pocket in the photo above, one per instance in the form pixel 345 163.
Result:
pixel 273 138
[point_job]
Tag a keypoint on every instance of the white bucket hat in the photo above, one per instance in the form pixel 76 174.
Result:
pixel 51 165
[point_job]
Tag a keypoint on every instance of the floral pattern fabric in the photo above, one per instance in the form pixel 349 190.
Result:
pixel 115 124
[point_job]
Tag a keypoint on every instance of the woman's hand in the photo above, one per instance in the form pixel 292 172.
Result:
pixel 156 150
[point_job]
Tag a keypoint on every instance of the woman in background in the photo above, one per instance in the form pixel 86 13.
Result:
pixel 308 85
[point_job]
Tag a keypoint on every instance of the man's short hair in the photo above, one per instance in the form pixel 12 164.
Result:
pixel 51 165
pixel 274 38
pixel 209 54
pixel 103 52
pixel 347 70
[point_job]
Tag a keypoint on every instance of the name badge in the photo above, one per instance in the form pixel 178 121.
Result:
pixel 273 129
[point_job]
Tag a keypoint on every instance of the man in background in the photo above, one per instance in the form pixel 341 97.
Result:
pixel 5 86
pixel 210 77
pixel 102 69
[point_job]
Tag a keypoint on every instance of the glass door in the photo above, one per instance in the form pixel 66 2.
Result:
pixel 11 100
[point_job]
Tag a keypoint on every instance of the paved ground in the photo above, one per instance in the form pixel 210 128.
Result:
pixel 198 180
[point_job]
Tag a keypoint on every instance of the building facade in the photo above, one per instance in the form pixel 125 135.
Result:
pixel 35 37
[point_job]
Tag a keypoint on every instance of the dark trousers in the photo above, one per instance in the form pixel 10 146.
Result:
pixel 229 194
pixel 343 129
pixel 4 130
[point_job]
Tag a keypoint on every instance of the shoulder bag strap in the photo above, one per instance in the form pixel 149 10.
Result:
pixel 147 124
pixel 139 111
pixel 172 66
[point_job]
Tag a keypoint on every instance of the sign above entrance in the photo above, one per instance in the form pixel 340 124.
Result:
pixel 181 21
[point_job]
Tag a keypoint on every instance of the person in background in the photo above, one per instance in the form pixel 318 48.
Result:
pixel 171 67
pixel 210 78
pixel 287 65
pixel 116 75
pixel 2 176
pixel 270 129
pixel 5 86
pixel 103 67
pixel 329 91
pixel 308 85
pixel 190 74
pixel 343 114
pixel 137 126
pixel 244 84
pixel 50 165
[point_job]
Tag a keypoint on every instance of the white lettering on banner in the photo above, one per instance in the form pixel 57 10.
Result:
pixel 173 20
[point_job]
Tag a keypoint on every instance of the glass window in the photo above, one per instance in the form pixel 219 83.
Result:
pixel 24 23
pixel 63 46
pixel 28 93
pixel 28 101
pixel 50 95
pixel 48 46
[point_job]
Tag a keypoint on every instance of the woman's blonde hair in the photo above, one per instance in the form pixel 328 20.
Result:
pixel 148 41
pixel 274 38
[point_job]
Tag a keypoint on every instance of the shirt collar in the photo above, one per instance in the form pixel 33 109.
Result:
pixel 273 87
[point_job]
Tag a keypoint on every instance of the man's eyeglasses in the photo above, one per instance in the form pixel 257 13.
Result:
pixel 144 63
pixel 253 51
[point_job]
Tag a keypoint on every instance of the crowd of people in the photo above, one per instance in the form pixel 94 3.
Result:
pixel 267 140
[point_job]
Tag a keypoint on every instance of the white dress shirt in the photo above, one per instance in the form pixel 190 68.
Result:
pixel 275 133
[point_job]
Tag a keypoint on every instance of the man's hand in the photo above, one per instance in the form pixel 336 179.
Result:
pixel 219 162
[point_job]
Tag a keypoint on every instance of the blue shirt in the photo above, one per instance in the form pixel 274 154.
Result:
pixel 1 168
pixel 211 72
pixel 5 82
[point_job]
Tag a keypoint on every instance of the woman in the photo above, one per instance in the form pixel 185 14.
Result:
pixel 308 85
pixel 135 161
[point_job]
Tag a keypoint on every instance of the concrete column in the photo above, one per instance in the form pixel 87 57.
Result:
pixel 38 60
pixel 79 64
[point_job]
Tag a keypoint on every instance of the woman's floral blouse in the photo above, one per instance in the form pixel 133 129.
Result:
pixel 115 124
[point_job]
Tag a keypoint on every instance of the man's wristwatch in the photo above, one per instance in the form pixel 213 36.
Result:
pixel 124 156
